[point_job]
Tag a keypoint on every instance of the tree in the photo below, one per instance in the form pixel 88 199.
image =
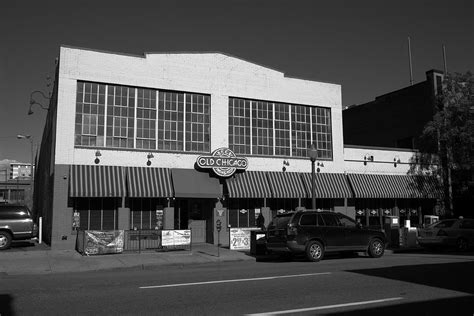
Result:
pixel 449 136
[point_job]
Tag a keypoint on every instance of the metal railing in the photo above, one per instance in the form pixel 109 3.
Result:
pixel 147 240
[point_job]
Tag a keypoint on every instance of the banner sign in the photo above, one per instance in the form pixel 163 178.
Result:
pixel 239 239
pixel 102 242
pixel 223 162
pixel 176 237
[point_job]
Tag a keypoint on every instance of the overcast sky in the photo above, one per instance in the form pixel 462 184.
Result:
pixel 361 45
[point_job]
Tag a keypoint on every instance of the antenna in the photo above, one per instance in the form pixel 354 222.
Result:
pixel 409 62
pixel 444 60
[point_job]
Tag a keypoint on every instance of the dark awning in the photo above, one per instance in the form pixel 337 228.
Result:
pixel 394 186
pixel 149 182
pixel 191 183
pixel 249 184
pixel 96 181
pixel 328 185
pixel 286 185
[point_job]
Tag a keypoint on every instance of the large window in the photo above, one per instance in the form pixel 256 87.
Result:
pixel 90 107
pixel 141 118
pixel 97 213
pixel 146 119
pixel 266 128
pixel 239 125
pixel 120 114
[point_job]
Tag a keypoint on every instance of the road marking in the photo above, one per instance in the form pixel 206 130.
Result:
pixel 310 309
pixel 235 280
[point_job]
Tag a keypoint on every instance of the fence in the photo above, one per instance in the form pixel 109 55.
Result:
pixel 150 240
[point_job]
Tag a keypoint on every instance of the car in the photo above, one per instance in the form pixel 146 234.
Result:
pixel 315 233
pixel 16 223
pixel 456 233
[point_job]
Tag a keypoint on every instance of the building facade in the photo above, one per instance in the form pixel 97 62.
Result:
pixel 179 141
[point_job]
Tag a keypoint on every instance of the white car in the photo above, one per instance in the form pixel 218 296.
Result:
pixel 454 232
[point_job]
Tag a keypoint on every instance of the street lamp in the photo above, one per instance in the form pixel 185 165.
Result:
pixel 30 138
pixel 33 101
pixel 313 155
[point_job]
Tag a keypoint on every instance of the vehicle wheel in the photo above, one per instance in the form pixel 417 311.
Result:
pixel 314 251
pixel 462 244
pixel 5 240
pixel 376 248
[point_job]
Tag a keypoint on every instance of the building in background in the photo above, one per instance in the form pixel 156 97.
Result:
pixel 15 182
pixel 395 119
pixel 181 140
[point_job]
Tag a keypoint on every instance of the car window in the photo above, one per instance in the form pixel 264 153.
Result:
pixel 346 221
pixel 280 222
pixel 467 224
pixel 445 224
pixel 330 220
pixel 308 220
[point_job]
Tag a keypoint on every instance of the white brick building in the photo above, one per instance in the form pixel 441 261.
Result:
pixel 124 133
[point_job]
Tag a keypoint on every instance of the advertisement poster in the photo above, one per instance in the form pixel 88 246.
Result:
pixel 239 239
pixel 175 237
pixel 102 242
pixel 76 220
pixel 159 219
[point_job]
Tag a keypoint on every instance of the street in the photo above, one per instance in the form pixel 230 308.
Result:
pixel 425 284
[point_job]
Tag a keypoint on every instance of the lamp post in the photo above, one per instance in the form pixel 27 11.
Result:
pixel 313 155
pixel 30 138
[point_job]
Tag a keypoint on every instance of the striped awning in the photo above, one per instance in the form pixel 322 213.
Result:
pixel 328 185
pixel 149 182
pixel 394 186
pixel 250 184
pixel 96 181
pixel 286 185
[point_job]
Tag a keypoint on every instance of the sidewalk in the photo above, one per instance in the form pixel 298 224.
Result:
pixel 41 260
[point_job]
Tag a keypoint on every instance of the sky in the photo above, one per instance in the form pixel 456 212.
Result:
pixel 361 45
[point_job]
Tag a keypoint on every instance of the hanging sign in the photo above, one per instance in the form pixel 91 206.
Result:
pixel 223 162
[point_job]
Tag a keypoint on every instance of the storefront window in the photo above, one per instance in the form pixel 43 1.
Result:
pixel 97 213
pixel 144 215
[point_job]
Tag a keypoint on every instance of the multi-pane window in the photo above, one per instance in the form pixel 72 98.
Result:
pixel 198 122
pixel 170 121
pixel 97 213
pixel 239 126
pixel 90 106
pixel 146 119
pixel 132 118
pixel 262 128
pixel 282 129
pixel 120 116
pixel 300 130
pixel 266 128
pixel 322 134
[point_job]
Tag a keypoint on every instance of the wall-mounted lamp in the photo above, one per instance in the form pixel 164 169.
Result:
pixel 286 162
pixel 149 156
pixel 395 161
pixel 368 157
pixel 97 155
pixel 319 165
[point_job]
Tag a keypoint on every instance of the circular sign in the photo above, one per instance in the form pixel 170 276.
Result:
pixel 223 161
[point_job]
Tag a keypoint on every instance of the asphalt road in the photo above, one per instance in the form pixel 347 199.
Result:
pixel 421 284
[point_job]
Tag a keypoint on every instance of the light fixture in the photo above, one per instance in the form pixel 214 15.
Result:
pixel 33 101
pixel 368 157
pixel 149 156
pixel 395 161
pixel 97 155
pixel 286 162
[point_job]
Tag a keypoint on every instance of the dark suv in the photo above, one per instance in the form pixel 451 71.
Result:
pixel 16 223
pixel 316 232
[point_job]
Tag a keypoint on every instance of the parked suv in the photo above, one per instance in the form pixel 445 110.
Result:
pixel 16 223
pixel 316 232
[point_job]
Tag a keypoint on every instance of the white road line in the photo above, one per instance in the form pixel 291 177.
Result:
pixel 310 309
pixel 234 280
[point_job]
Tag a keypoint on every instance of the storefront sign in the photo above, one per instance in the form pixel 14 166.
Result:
pixel 159 219
pixel 223 162
pixel 176 237
pixel 102 242
pixel 239 239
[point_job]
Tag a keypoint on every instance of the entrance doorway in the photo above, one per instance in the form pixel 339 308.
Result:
pixel 196 214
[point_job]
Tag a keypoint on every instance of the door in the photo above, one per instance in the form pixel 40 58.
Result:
pixel 198 230
pixel 355 237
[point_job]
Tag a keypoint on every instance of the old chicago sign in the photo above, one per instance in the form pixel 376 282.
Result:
pixel 223 161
